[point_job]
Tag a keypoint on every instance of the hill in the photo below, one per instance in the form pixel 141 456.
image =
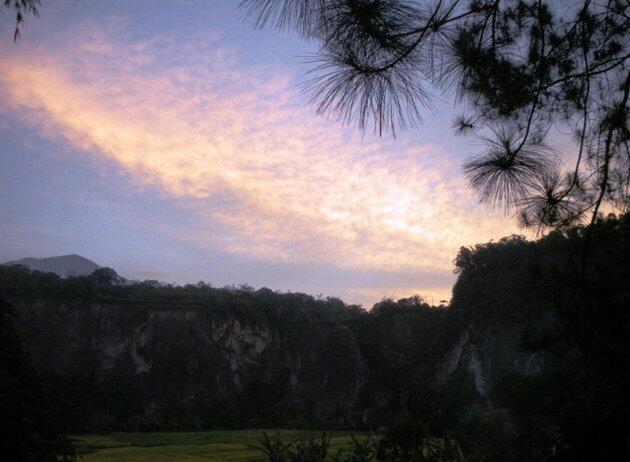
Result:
pixel 63 265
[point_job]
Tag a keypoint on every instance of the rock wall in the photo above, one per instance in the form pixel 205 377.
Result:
pixel 489 354
pixel 146 366
pixel 200 361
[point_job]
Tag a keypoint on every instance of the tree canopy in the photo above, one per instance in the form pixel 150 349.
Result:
pixel 519 70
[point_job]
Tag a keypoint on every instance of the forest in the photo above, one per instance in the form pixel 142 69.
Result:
pixel 462 371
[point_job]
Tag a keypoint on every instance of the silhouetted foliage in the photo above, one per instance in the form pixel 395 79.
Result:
pixel 105 276
pixel 22 8
pixel 274 448
pixel 574 315
pixel 363 449
pixel 519 68
pixel 403 443
pixel 27 430
pixel 310 450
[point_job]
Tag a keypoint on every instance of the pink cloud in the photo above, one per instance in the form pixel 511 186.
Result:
pixel 233 140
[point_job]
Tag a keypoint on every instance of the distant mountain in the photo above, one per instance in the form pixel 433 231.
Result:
pixel 64 265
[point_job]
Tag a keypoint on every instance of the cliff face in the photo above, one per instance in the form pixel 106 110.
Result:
pixel 489 354
pixel 209 366
pixel 145 366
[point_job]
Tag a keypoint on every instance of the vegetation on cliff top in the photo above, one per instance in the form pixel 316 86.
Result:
pixel 540 291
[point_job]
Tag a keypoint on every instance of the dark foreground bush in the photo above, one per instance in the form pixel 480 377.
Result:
pixel 403 443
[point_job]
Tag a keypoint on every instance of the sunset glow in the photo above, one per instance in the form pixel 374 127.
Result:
pixel 194 123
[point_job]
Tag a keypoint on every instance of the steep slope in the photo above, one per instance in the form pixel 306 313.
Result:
pixel 167 366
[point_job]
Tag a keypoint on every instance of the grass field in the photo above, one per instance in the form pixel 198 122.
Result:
pixel 188 447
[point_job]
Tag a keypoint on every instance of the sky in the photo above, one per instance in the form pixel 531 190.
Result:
pixel 169 140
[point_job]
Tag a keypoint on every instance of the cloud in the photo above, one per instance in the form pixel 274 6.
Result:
pixel 234 142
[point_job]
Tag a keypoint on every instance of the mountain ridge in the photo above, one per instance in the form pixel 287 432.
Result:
pixel 62 265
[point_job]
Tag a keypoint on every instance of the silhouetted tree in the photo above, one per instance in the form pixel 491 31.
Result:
pixel 518 68
pixel 105 275
pixel 20 8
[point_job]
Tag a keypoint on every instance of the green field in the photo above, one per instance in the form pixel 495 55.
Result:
pixel 188 447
